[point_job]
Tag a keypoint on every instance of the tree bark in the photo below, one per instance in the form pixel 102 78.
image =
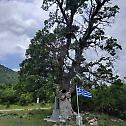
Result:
pixel 62 110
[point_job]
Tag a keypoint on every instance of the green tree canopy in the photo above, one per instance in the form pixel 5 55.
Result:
pixel 59 51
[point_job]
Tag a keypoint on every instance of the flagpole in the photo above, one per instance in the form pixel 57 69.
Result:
pixel 84 93
pixel 78 115
pixel 77 102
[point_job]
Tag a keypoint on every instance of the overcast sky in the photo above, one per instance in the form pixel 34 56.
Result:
pixel 20 19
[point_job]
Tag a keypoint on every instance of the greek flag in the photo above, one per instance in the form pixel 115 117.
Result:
pixel 82 92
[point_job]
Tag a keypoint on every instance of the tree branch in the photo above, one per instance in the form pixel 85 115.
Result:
pixel 62 10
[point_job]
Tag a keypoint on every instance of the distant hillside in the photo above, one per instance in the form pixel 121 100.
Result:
pixel 8 76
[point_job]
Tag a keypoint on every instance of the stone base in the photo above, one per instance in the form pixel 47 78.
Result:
pixel 49 120
pixel 54 121
pixel 79 120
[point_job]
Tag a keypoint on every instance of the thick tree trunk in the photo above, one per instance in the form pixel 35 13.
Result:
pixel 62 110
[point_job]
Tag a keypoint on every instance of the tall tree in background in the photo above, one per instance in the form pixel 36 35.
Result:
pixel 73 33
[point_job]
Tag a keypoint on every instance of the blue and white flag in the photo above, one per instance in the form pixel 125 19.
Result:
pixel 82 92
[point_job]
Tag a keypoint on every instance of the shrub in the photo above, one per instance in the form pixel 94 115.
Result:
pixel 107 99
pixel 25 99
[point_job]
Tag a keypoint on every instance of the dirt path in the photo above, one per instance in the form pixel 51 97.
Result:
pixel 9 110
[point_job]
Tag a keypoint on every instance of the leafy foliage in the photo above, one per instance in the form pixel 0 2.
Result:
pixel 8 94
pixel 59 53
pixel 82 35
pixel 36 73
pixel 106 99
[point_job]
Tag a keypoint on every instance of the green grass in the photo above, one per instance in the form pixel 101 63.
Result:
pixel 105 120
pixel 36 117
pixel 21 122
pixel 24 118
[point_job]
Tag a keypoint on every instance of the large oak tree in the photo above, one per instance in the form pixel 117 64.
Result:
pixel 74 32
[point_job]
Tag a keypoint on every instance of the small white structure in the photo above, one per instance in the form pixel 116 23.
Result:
pixel 37 100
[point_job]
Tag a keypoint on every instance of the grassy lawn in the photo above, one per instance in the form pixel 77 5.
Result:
pixel 31 106
pixel 35 117
pixel 24 118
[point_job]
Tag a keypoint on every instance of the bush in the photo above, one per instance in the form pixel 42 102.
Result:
pixel 106 99
pixel 7 95
pixel 25 99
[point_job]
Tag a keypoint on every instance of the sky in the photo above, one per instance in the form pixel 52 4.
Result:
pixel 20 19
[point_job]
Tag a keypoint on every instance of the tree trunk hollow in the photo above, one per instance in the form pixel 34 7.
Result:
pixel 62 108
